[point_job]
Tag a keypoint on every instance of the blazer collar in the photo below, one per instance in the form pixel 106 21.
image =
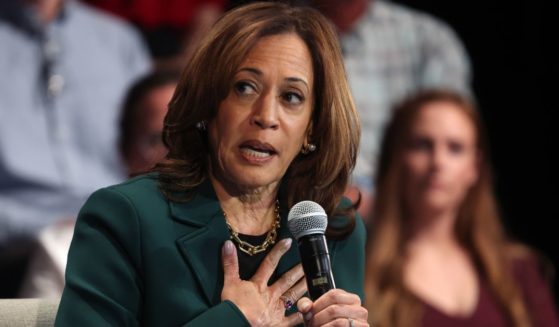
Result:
pixel 199 210
pixel 203 236
pixel 200 236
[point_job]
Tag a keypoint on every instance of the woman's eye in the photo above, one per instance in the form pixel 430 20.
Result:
pixel 293 98
pixel 420 144
pixel 244 88
pixel 455 147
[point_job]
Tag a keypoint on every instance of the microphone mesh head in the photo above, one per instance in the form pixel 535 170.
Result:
pixel 305 218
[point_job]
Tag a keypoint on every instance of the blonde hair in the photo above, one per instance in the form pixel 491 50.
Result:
pixel 478 227
pixel 320 176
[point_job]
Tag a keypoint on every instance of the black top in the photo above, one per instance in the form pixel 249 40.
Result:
pixel 248 264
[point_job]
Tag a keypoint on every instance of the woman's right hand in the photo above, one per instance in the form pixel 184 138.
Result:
pixel 261 304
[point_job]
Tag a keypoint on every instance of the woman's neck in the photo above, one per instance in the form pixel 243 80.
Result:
pixel 248 211
pixel 432 228
pixel 437 268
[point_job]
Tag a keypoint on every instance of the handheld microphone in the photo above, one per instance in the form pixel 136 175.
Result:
pixel 307 221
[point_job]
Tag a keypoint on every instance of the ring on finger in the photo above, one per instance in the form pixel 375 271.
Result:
pixel 351 322
pixel 287 302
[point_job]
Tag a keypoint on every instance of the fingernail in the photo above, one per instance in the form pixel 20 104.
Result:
pixel 287 243
pixel 228 247
pixel 305 306
pixel 307 316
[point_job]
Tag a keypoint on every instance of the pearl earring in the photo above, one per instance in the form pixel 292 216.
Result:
pixel 201 125
pixel 308 148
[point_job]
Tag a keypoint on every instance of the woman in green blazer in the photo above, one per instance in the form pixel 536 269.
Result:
pixel 262 119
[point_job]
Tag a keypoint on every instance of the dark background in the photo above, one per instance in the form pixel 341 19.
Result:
pixel 515 75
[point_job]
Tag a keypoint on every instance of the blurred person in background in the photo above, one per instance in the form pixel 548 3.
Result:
pixel 171 28
pixel 438 254
pixel 64 68
pixel 390 51
pixel 141 147
pixel 141 123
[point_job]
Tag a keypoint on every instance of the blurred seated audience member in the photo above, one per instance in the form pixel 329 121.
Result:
pixel 141 124
pixel 65 68
pixel 438 254
pixel 391 51
pixel 141 148
pixel 172 28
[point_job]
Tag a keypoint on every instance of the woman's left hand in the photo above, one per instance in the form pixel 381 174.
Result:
pixel 335 308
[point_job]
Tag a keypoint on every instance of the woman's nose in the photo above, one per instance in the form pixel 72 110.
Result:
pixel 438 157
pixel 265 112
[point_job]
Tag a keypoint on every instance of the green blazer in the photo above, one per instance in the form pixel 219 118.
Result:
pixel 138 259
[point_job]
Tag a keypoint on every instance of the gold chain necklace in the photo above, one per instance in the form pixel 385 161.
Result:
pixel 254 249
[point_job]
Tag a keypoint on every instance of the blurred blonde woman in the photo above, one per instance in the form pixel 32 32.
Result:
pixel 437 253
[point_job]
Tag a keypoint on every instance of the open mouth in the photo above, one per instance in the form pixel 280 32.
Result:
pixel 257 149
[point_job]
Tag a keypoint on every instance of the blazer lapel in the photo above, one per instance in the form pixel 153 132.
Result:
pixel 200 241
pixel 202 234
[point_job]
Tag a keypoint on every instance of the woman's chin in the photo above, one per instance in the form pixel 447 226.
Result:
pixel 250 182
pixel 435 203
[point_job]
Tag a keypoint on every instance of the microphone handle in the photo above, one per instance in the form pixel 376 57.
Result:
pixel 316 264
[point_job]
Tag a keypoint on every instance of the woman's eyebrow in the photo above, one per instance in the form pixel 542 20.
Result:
pixel 258 72
pixel 298 80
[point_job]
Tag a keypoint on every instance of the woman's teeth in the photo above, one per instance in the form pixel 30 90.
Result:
pixel 256 153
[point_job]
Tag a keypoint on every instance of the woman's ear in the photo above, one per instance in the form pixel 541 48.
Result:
pixel 308 146
pixel 309 132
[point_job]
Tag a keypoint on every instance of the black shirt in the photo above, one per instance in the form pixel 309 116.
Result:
pixel 248 264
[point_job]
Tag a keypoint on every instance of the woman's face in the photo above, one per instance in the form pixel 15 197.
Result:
pixel 440 159
pixel 262 123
